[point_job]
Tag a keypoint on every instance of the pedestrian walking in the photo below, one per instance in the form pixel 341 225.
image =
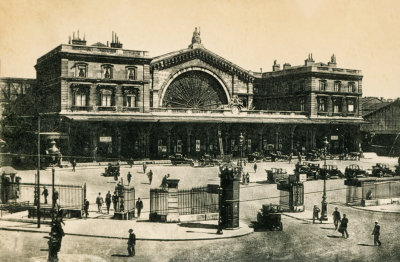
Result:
pixel 86 207
pixel 115 200
pixel 376 233
pixel 108 202
pixel 73 163
pixel 150 176
pixel 343 227
pixel 129 177
pixel 99 202
pixel 45 193
pixel 243 178
pixel 131 161
pixel 131 243
pixel 290 157
pixel 255 167
pixel 144 167
pixel 139 206
pixel 316 211
pixel 336 218
pixel 164 182
pixel 247 178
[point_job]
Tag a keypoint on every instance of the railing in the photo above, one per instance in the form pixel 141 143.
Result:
pixel 131 109
pixel 106 108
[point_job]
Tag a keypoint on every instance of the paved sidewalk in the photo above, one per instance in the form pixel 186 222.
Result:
pixel 101 225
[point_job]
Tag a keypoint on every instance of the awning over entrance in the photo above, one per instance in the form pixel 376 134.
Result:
pixel 226 117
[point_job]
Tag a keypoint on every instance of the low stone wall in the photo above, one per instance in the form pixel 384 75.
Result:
pixel 198 217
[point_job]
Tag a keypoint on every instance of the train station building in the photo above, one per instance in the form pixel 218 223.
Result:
pixel 115 103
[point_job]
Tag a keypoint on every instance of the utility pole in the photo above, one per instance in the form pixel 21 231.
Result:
pixel 38 174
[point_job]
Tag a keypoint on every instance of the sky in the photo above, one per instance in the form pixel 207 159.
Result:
pixel 363 34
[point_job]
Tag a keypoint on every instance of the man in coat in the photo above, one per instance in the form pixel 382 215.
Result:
pixel 316 211
pixel 131 243
pixel 150 175
pixel 343 227
pixel 139 206
pixel 108 201
pixel 86 207
pixel 99 202
pixel 129 177
pixel 45 193
pixel 255 167
pixel 115 201
pixel 336 218
pixel 376 233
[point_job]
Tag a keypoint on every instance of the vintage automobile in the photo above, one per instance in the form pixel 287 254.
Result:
pixel 207 160
pixel 381 170
pixel 179 159
pixel 331 172
pixel 112 170
pixel 314 171
pixel 276 174
pixel 255 157
pixel 269 217
pixel 354 171
pixel 276 156
pixel 313 155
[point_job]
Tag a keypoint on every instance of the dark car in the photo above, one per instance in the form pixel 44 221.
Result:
pixel 381 170
pixel 331 172
pixel 314 171
pixel 269 217
pixel 179 159
pixel 255 157
pixel 276 174
pixel 313 155
pixel 112 170
pixel 207 160
pixel 354 171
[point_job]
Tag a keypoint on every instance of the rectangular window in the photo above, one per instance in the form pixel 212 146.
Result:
pixel 352 87
pixel 322 85
pixel 80 99
pixel 322 105
pixel 130 101
pixel 337 87
pixel 302 105
pixel 350 106
pixel 337 106
pixel 106 100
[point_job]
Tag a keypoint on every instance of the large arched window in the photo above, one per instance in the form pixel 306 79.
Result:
pixel 195 89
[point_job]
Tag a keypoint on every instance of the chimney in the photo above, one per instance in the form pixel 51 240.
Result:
pixel 286 66
pixel 332 63
pixel 77 40
pixel 260 69
pixel 115 41
pixel 309 61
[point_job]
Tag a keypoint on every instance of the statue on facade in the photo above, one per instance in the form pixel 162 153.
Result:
pixel 333 59
pixel 236 102
pixel 196 36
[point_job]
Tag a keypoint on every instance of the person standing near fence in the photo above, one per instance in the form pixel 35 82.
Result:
pixel 139 206
pixel 108 201
pixel 86 207
pixel 45 193
pixel 99 202
pixel 376 233
pixel 115 200
pixel 131 243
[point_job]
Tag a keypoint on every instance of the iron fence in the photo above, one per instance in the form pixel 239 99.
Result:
pixel 198 200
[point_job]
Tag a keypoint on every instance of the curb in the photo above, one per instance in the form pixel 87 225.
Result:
pixel 124 238
pixel 302 219
pixel 376 211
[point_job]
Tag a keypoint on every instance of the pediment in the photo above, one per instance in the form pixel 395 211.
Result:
pixel 182 56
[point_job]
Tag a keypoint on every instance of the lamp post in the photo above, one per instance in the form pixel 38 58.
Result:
pixel 54 153
pixel 241 140
pixel 324 204
pixel 38 175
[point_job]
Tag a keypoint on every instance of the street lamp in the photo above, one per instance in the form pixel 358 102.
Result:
pixel 324 204
pixel 54 153
pixel 241 140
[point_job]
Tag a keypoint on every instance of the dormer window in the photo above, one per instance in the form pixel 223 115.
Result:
pixel 107 71
pixel 131 73
pixel 81 70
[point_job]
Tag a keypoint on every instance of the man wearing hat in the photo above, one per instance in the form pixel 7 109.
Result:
pixel 336 218
pixel 376 234
pixel 131 243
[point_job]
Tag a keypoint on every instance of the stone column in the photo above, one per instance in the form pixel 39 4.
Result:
pixel 344 106
pixel 330 107
pixel 118 141
pixel 277 138
pixel 119 99
pixel 169 140
pixel 94 138
pixel 292 130
pixel 173 208
pixel 189 134
pixel 93 96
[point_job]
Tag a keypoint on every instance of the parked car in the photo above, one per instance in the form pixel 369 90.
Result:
pixel 276 174
pixel 207 160
pixel 179 159
pixel 381 170
pixel 354 171
pixel 331 172
pixel 314 171
pixel 313 155
pixel 254 157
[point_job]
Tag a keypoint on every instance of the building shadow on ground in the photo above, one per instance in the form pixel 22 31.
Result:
pixel 120 255
pixel 328 228
pixel 365 245
pixel 198 225
pixel 262 182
